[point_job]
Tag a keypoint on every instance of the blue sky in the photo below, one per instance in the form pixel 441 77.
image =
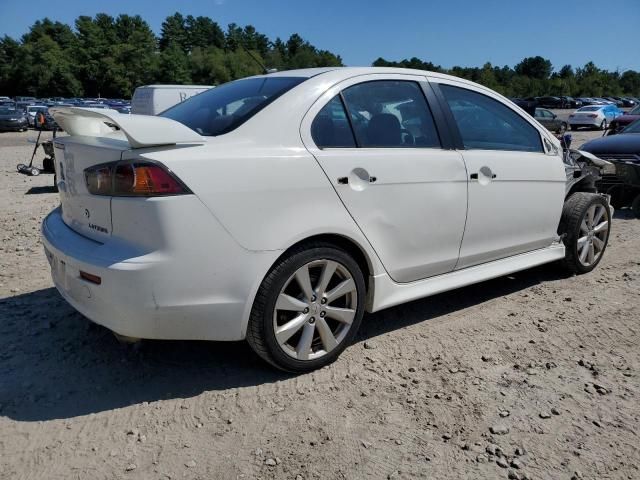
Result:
pixel 445 32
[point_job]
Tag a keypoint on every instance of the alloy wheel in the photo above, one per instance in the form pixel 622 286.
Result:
pixel 594 229
pixel 315 309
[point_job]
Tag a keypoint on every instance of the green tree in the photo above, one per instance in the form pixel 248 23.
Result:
pixel 173 66
pixel 174 31
pixel 534 67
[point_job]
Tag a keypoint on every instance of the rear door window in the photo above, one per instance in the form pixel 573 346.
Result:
pixel 486 124
pixel 390 113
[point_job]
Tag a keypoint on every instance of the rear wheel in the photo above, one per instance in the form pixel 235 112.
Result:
pixel 585 226
pixel 308 308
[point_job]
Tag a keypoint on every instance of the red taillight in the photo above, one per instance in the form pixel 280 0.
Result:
pixel 132 179
pixel 592 115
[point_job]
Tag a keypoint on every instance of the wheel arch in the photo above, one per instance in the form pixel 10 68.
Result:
pixel 359 253
pixel 347 244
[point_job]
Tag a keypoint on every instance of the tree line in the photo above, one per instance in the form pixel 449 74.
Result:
pixel 109 56
pixel 535 76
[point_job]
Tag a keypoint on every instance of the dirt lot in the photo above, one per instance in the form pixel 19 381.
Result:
pixel 534 375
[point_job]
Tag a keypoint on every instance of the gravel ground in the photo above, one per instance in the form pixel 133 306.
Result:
pixel 534 375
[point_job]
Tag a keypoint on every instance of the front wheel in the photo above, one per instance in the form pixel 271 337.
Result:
pixel 585 225
pixel 308 308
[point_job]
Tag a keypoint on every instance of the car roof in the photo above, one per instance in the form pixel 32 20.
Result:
pixel 347 72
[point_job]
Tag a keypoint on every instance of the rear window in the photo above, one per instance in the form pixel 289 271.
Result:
pixel 223 109
pixel 589 109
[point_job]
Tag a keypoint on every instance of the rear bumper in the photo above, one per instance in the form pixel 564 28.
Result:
pixel 585 123
pixel 157 294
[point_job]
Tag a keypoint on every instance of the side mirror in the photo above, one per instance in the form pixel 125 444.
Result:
pixel 554 115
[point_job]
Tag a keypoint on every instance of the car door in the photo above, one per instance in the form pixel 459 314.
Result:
pixel 377 141
pixel 516 175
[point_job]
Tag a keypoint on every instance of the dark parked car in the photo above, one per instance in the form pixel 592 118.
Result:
pixel 550 120
pixel 527 104
pixel 570 102
pixel 623 151
pixel 13 120
pixel 617 124
pixel 550 102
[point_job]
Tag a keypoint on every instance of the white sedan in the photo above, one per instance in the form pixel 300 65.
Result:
pixel 594 116
pixel 280 208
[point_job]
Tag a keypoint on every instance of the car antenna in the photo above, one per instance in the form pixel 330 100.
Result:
pixel 265 70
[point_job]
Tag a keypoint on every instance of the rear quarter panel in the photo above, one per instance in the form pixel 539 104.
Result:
pixel 267 197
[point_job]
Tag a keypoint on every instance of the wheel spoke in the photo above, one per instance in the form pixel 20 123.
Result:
pixel 287 302
pixel 590 213
pixel 302 276
pixel 584 252
pixel 343 315
pixel 341 289
pixel 598 215
pixel 303 349
pixel 599 244
pixel 327 272
pixel 591 255
pixel 581 242
pixel 601 227
pixel 289 329
pixel 328 340
pixel 583 226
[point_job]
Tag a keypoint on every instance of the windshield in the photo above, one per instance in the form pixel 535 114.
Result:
pixel 222 109
pixel 8 111
pixel 633 128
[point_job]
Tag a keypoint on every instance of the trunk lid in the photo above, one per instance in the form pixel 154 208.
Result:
pixel 98 136
pixel 89 215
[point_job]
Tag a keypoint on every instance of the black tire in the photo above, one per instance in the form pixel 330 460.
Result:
pixel 260 332
pixel 635 206
pixel 573 213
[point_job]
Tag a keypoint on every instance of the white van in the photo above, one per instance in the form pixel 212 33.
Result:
pixel 155 99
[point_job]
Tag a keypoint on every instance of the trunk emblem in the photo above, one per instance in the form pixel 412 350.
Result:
pixel 87 213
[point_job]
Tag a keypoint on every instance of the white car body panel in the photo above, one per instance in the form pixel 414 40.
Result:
pixel 188 267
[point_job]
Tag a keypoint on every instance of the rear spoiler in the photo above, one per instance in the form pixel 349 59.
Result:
pixel 141 130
